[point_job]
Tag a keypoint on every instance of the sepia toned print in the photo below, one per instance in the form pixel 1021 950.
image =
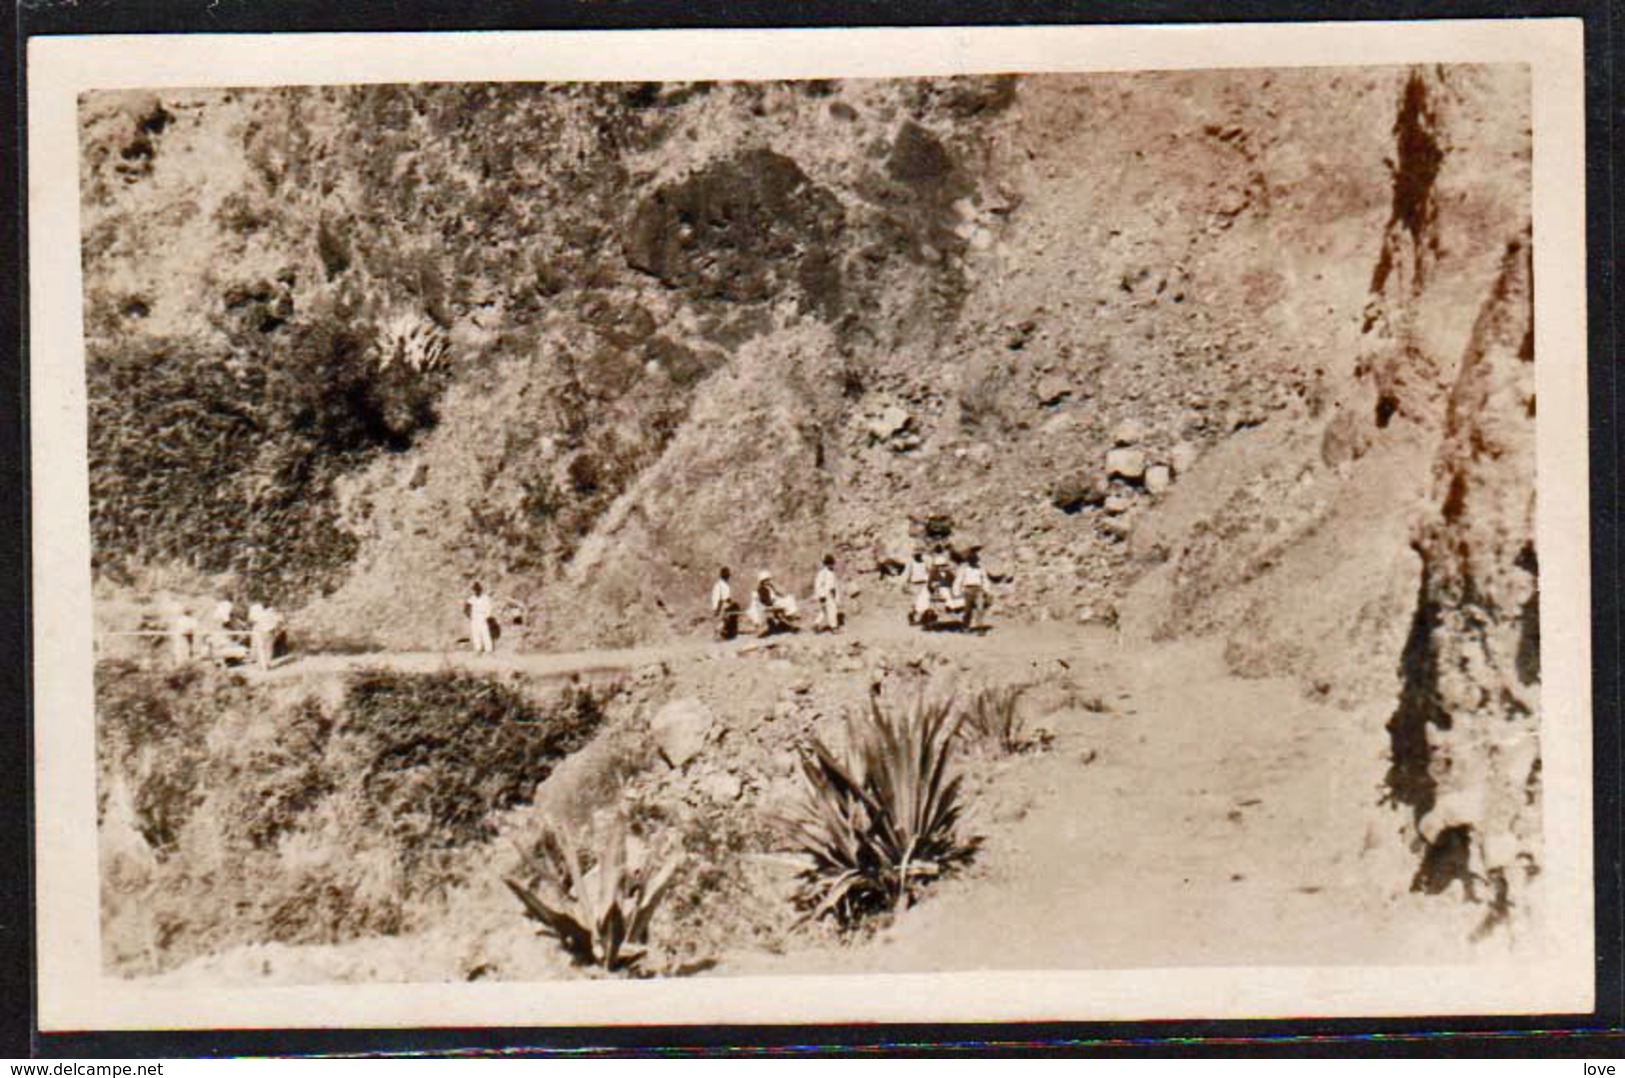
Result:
pixel 629 532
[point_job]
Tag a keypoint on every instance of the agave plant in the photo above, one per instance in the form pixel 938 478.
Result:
pixel 601 914
pixel 883 820
pixel 410 340
pixel 995 718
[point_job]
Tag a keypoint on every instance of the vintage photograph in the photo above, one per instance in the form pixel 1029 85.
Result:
pixel 637 531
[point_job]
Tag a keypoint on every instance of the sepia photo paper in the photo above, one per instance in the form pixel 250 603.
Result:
pixel 949 525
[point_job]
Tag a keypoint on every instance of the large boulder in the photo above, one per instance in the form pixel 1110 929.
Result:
pixel 681 729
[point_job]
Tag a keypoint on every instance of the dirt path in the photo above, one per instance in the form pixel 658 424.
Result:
pixel 1011 641
pixel 534 663
pixel 1206 820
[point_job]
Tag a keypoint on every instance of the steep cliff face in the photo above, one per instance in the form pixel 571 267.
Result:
pixel 1327 506
pixel 1465 735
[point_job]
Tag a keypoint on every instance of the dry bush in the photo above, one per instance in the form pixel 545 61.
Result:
pixel 151 729
pixel 599 912
pixel 883 820
pixel 994 718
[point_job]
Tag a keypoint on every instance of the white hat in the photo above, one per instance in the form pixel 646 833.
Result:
pixel 763 575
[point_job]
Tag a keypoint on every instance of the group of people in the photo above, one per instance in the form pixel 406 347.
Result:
pixel 937 586
pixel 772 609
pixel 938 590
pixel 942 595
pixel 214 639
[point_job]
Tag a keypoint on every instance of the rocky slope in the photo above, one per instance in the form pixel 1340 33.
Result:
pixel 1206 353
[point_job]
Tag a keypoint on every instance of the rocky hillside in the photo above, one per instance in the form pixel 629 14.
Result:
pixel 1238 353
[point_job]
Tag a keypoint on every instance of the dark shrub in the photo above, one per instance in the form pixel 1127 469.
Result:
pixel 438 753
pixel 228 463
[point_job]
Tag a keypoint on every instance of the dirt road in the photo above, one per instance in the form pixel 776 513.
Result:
pixel 1204 820
pixel 1004 641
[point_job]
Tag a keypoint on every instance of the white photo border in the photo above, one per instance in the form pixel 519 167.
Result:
pixel 75 995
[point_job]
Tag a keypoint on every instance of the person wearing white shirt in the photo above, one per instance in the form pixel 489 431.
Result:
pixel 218 642
pixel 825 593
pixel 970 584
pixel 183 631
pixel 723 607
pixel 918 579
pixel 478 606
pixel 722 593
pixel 262 625
pixel 770 608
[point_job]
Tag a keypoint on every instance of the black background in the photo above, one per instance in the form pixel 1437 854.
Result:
pixel 1594 1034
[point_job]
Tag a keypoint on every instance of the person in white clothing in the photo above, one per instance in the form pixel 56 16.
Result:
pixel 217 641
pixel 771 608
pixel 825 593
pixel 182 634
pixel 722 593
pixel 478 606
pixel 723 607
pixel 970 584
pixel 919 576
pixel 262 626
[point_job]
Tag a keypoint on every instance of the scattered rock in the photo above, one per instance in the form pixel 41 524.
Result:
pixel 890 421
pixel 1017 335
pixel 1077 493
pixel 680 730
pixel 721 786
pixel 1053 389
pixel 1126 464
pixel 1158 478
pixel 1346 439
pixel 1056 423
pixel 651 673
pixel 1129 432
